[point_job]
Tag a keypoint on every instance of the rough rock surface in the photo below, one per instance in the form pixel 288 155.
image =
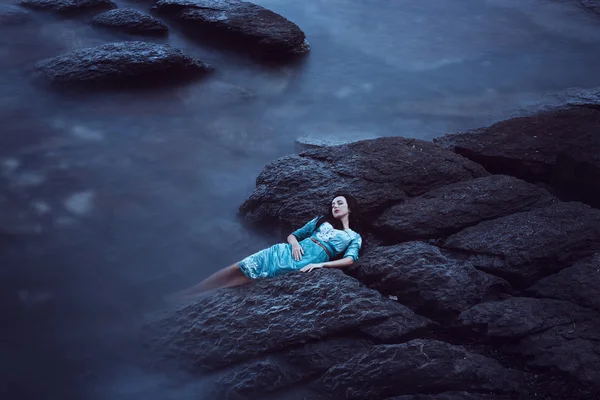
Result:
pixel 238 22
pixel 415 366
pixel 553 333
pixel 283 369
pixel 525 246
pixel 13 15
pixel 267 316
pixel 378 172
pixel 561 148
pixel 123 63
pixel 425 280
pixel 579 284
pixel 68 7
pixel 131 21
pixel 451 208
pixel 398 327
pixel 450 396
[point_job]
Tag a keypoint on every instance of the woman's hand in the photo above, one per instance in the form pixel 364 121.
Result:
pixel 310 267
pixel 297 251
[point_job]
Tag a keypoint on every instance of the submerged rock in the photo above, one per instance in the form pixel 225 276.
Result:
pixel 239 23
pixel 123 64
pixel 561 148
pixel 130 21
pixel 13 15
pixel 67 7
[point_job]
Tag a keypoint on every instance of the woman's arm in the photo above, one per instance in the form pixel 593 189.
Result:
pixel 343 262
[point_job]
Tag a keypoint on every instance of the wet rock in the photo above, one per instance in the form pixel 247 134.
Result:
pixel 378 172
pixel 122 63
pixel 316 141
pixel 130 21
pixel 417 366
pixel 579 283
pixel 270 315
pixel 393 329
pixel 69 7
pixel 13 15
pixel 521 316
pixel 254 379
pixel 451 208
pixel 561 148
pixel 525 246
pixel 425 280
pixel 451 396
pixel 550 333
pixel 240 23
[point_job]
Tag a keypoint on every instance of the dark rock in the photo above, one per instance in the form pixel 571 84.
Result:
pixel 451 208
pixel 579 283
pixel 525 246
pixel 267 316
pixel 417 366
pixel 450 396
pixel 521 316
pixel 131 21
pixel 425 280
pixel 236 22
pixel 550 333
pixel 561 148
pixel 396 328
pixel 123 63
pixel 69 7
pixel 13 15
pixel 378 172
pixel 283 369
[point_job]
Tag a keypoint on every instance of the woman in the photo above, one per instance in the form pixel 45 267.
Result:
pixel 316 245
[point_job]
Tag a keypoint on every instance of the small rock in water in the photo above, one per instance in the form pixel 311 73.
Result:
pixel 130 21
pixel 13 15
pixel 67 7
pixel 123 64
pixel 312 141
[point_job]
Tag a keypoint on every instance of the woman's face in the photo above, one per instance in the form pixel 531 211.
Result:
pixel 339 207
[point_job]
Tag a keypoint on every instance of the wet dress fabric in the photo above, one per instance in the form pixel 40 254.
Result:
pixel 278 260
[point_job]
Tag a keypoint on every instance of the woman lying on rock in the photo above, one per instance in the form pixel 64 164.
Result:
pixel 313 246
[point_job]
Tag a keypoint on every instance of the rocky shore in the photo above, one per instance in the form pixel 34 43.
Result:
pixel 480 280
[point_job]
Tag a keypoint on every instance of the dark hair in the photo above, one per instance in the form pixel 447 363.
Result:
pixel 354 216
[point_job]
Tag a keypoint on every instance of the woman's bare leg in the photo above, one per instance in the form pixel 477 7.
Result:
pixel 227 277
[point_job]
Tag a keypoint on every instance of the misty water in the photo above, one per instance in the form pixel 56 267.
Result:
pixel 127 196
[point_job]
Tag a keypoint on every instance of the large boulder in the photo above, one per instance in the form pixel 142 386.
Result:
pixel 239 23
pixel 69 7
pixel 526 246
pixel 13 15
pixel 267 316
pixel 122 63
pixel 131 21
pixel 561 148
pixel 549 333
pixel 422 278
pixel 378 172
pixel 454 207
pixel 281 370
pixel 414 367
pixel 579 283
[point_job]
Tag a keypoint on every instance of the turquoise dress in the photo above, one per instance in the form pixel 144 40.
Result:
pixel 278 260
